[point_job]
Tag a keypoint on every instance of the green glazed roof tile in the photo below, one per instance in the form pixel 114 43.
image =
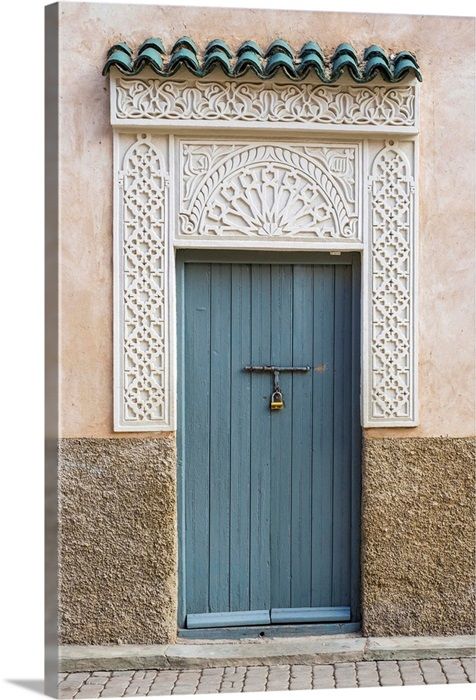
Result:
pixel 342 62
pixel 279 56
pixel 185 42
pixel 375 50
pixel 312 62
pixel 280 60
pixel 186 57
pixel 311 47
pixel 346 49
pixel 217 58
pixel 249 60
pixel 149 57
pixel 120 46
pixel 219 44
pixel 154 43
pixel 279 46
pixel 120 58
pixel 377 65
pixel 249 45
pixel 404 65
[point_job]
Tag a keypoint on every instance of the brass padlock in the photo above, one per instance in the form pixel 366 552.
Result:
pixel 277 401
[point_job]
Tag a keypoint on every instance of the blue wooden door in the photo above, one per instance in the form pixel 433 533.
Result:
pixel 269 503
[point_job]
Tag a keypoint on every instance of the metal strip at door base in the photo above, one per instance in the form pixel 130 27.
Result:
pixel 280 616
pixel 229 619
pixel 275 616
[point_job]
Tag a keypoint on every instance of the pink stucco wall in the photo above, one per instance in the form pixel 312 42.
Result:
pixel 445 48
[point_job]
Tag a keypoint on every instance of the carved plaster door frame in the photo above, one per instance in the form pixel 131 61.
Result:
pixel 246 164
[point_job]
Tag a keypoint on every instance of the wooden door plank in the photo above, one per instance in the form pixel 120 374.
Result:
pixel 281 438
pixel 322 431
pixel 260 438
pixel 301 407
pixel 220 424
pixel 197 424
pixel 356 447
pixel 342 438
pixel 240 437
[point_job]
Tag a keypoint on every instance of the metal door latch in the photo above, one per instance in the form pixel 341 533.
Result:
pixel 277 401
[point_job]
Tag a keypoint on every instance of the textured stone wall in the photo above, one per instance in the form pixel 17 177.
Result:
pixel 418 536
pixel 118 538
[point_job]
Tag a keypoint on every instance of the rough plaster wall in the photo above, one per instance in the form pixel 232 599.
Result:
pixel 447 212
pixel 117 541
pixel 418 537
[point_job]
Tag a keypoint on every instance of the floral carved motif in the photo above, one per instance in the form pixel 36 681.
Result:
pixel 143 373
pixel 391 286
pixel 256 102
pixel 232 190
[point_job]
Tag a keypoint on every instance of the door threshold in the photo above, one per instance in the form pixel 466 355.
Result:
pixel 270 631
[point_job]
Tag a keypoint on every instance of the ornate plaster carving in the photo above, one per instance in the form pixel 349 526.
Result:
pixel 391 302
pixel 143 333
pixel 255 191
pixel 257 102
pixel 306 193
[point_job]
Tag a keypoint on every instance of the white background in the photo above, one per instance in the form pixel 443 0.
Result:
pixel 21 280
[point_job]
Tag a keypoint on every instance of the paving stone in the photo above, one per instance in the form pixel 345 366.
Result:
pixel 164 686
pixel 209 686
pixel 301 677
pixel 432 671
pixel 212 672
pixel 112 693
pixel 68 687
pixel 367 674
pixel 453 671
pixel 79 676
pixel 233 679
pixel 469 665
pixel 389 673
pixel 67 692
pixel 96 680
pixel 345 675
pixel 121 681
pixel 154 692
pixel 323 676
pixel 278 678
pixel 89 691
pixel 256 679
pixel 183 690
pixel 254 686
pixel 410 672
pixel 151 682
pixel 122 674
pixel 139 688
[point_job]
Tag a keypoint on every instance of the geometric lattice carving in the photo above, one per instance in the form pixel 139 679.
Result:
pixel 143 368
pixel 391 287
pixel 249 190
pixel 230 100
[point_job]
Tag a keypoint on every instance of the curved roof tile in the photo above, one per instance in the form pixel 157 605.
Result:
pixel 279 56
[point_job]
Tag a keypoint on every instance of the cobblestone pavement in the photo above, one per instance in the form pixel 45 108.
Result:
pixel 363 674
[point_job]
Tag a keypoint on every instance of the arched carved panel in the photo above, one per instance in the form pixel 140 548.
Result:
pixel 392 287
pixel 273 191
